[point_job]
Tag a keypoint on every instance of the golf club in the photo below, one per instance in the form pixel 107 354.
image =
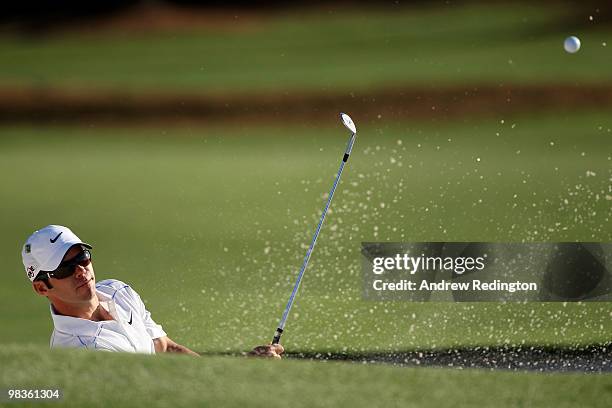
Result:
pixel 348 122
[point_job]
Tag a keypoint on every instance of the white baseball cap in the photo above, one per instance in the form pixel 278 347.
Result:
pixel 45 249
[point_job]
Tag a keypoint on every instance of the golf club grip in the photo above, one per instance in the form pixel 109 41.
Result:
pixel 277 336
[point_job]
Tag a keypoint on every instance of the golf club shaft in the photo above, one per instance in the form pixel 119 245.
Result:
pixel 281 325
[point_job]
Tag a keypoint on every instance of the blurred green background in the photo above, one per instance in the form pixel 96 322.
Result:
pixel 193 147
pixel 322 48
pixel 209 220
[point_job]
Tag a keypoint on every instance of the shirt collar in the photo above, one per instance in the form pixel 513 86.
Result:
pixel 75 325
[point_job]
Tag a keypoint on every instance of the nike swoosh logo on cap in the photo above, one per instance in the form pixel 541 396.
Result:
pixel 55 239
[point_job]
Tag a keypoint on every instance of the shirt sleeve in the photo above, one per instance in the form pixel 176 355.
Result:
pixel 153 329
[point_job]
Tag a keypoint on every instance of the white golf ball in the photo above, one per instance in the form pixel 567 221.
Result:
pixel 571 44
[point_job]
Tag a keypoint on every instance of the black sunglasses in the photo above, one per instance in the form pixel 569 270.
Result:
pixel 66 268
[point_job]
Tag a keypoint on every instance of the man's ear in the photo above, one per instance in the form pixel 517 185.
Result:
pixel 40 288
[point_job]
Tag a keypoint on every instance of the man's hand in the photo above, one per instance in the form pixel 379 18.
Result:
pixel 270 350
pixel 166 345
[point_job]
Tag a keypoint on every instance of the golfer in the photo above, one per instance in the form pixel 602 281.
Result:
pixel 108 315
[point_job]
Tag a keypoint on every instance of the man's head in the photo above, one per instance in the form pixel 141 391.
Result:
pixel 59 265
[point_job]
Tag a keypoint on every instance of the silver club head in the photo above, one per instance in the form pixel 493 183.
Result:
pixel 348 122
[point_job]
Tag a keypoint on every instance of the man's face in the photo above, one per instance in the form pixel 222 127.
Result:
pixel 77 288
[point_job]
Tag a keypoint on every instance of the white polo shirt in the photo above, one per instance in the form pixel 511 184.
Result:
pixel 132 329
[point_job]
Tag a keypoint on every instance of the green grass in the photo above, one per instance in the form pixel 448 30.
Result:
pixel 210 224
pixel 104 379
pixel 321 51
